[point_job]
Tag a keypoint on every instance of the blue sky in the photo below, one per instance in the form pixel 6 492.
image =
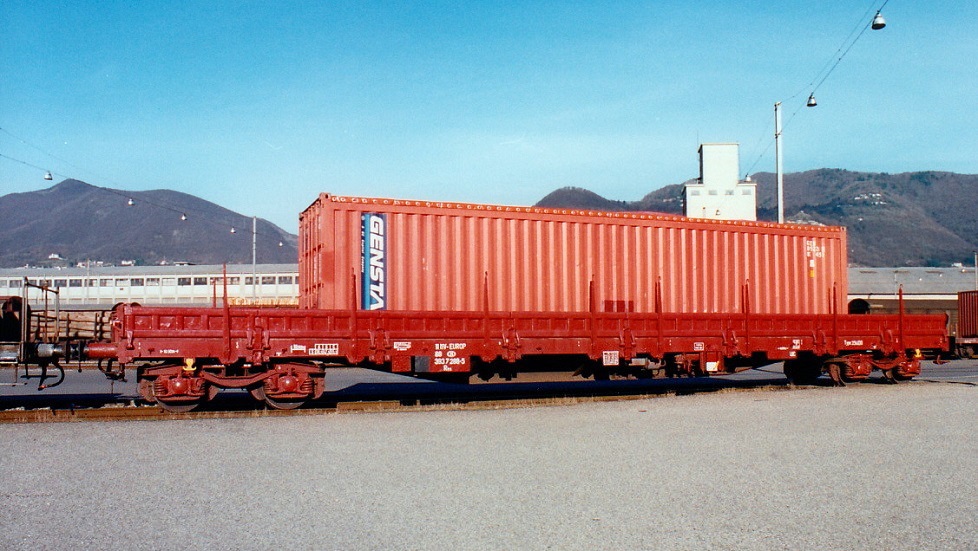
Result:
pixel 260 106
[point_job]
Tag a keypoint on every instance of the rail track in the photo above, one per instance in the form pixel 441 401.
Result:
pixel 374 398
pixel 385 393
pixel 147 412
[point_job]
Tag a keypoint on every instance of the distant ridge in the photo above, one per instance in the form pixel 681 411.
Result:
pixel 908 219
pixel 79 222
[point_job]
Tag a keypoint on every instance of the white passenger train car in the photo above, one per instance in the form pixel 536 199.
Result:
pixel 264 284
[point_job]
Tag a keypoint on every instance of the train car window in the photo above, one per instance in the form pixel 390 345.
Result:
pixel 137 282
pixel 75 282
pixel 16 283
pixel 249 281
pixel 171 281
pixel 122 282
pixel 61 283
pixel 285 280
pixel 200 281
pixel 268 280
pixel 105 283
pixel 152 282
pixel 234 281
pixel 183 281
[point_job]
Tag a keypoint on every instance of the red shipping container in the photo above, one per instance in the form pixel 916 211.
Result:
pixel 426 255
pixel 967 315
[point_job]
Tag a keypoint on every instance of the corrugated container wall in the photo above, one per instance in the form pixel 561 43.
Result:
pixel 420 255
pixel 968 314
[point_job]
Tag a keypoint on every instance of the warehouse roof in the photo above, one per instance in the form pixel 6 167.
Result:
pixel 915 281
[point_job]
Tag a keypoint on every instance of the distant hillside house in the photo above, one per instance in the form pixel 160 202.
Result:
pixel 718 192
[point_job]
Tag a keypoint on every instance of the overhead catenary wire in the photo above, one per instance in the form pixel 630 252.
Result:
pixel 864 23
pixel 128 195
pixel 131 196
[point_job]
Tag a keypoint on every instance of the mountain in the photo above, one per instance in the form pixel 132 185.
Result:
pixel 78 222
pixel 907 219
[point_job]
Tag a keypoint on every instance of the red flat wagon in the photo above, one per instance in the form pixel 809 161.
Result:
pixel 454 289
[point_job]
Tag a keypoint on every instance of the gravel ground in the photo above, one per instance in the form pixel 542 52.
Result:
pixel 864 467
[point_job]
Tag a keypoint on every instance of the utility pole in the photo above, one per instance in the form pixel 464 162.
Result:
pixel 254 258
pixel 777 161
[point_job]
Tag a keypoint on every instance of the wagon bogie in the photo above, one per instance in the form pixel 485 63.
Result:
pixel 174 387
pixel 290 385
pixel 184 386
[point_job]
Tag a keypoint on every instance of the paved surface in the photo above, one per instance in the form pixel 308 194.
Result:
pixel 864 467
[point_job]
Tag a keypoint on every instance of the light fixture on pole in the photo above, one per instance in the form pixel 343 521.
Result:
pixel 878 22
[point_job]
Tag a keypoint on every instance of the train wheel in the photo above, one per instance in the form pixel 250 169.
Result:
pixel 850 375
pixel 258 393
pixel 895 375
pixel 182 406
pixel 283 404
pixel 177 394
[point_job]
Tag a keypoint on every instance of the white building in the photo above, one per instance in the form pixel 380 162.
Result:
pixel 719 192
